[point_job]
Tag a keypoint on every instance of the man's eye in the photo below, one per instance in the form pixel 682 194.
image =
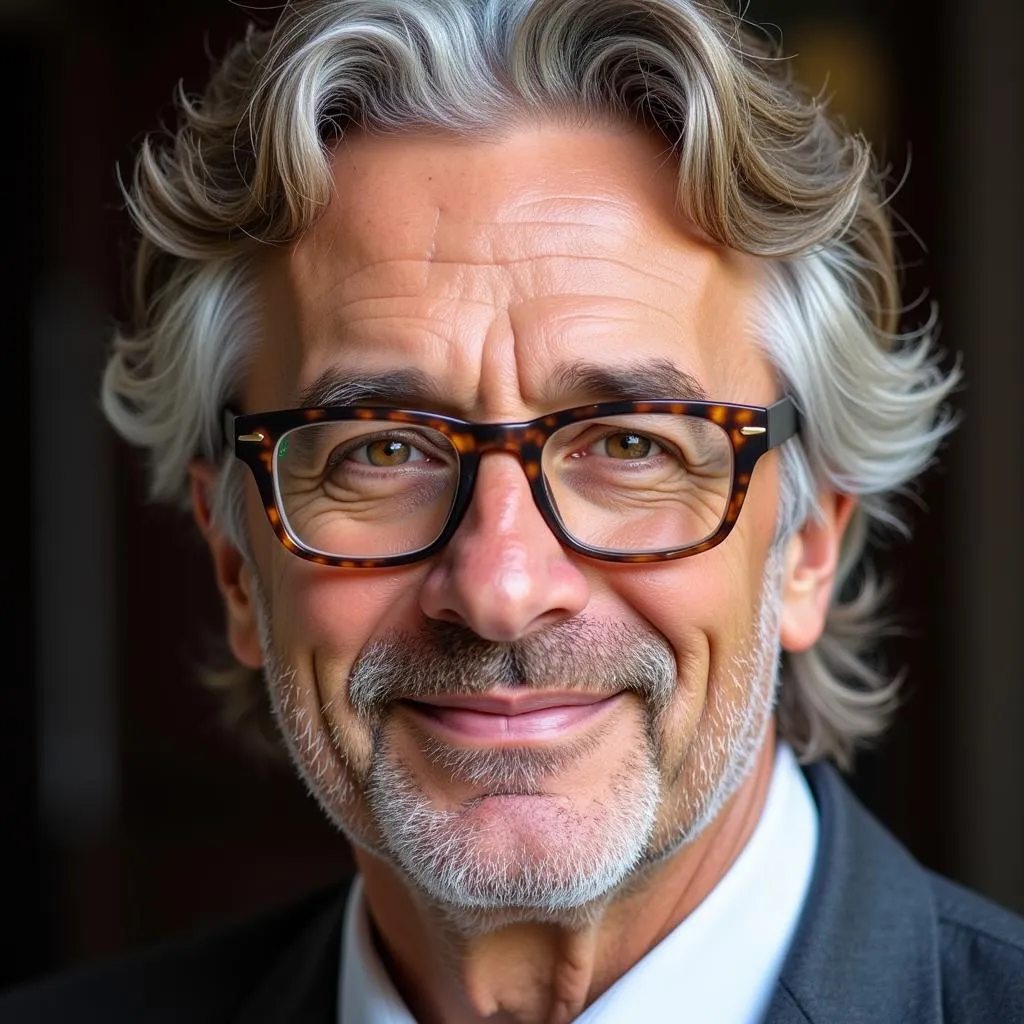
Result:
pixel 388 451
pixel 627 445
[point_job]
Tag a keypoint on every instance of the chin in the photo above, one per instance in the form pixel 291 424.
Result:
pixel 519 856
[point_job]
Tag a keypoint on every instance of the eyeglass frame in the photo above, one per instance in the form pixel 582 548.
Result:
pixel 753 430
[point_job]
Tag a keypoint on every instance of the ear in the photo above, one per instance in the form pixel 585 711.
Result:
pixel 232 571
pixel 812 556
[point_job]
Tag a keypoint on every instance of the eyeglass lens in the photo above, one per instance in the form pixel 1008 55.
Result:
pixel 623 484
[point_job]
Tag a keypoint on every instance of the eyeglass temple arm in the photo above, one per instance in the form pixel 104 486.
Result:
pixel 783 421
pixel 227 425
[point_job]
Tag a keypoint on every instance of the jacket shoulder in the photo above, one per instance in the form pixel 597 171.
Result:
pixel 203 978
pixel 884 941
pixel 981 946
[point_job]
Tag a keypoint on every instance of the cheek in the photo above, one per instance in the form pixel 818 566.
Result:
pixel 322 620
pixel 696 603
pixel 705 608
pixel 320 612
pixel 333 613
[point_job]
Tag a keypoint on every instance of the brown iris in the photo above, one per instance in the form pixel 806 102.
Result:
pixel 388 452
pixel 627 446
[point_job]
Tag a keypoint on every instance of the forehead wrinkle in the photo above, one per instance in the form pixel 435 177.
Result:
pixel 605 222
pixel 613 262
pixel 452 183
pixel 320 281
pixel 610 329
pixel 505 247
pixel 370 306
pixel 439 249
pixel 421 329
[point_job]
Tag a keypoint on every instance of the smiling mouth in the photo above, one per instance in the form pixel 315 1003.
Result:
pixel 509 718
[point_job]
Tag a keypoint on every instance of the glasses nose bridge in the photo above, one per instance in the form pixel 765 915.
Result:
pixel 523 441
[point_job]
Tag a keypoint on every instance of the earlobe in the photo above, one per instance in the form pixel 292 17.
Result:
pixel 811 560
pixel 231 570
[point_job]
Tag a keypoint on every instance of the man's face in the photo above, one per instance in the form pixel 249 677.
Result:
pixel 494 269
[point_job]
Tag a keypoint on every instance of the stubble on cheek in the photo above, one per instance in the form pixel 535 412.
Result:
pixel 733 714
pixel 675 727
pixel 330 747
pixel 675 734
pixel 326 614
pixel 352 737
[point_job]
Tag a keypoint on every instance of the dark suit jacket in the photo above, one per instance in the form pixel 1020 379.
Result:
pixel 880 940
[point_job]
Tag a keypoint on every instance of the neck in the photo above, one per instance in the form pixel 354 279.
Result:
pixel 548 972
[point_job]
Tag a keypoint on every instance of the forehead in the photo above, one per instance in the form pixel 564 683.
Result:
pixel 488 264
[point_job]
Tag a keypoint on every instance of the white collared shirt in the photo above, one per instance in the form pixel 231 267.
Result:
pixel 718 966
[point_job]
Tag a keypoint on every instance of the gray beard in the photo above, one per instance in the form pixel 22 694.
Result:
pixel 573 860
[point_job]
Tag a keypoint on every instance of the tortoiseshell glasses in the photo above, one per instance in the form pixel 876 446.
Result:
pixel 363 487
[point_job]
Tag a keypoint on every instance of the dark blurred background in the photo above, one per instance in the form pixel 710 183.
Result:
pixel 129 812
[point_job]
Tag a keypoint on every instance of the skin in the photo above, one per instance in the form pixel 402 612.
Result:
pixel 489 264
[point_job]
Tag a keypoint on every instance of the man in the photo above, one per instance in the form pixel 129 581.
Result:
pixel 530 368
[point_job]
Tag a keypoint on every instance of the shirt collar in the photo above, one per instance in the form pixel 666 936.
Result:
pixel 721 963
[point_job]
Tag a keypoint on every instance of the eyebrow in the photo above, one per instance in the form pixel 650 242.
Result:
pixel 630 381
pixel 407 387
pixel 576 382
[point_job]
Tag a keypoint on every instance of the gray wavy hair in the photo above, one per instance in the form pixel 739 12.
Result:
pixel 761 169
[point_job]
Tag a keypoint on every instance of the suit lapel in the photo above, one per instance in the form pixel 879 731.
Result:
pixel 866 948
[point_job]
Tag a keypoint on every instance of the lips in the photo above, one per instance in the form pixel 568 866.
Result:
pixel 510 717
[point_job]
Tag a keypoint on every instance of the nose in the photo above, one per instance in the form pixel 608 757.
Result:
pixel 504 574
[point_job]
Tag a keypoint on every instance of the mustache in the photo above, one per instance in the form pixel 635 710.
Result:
pixel 592 655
